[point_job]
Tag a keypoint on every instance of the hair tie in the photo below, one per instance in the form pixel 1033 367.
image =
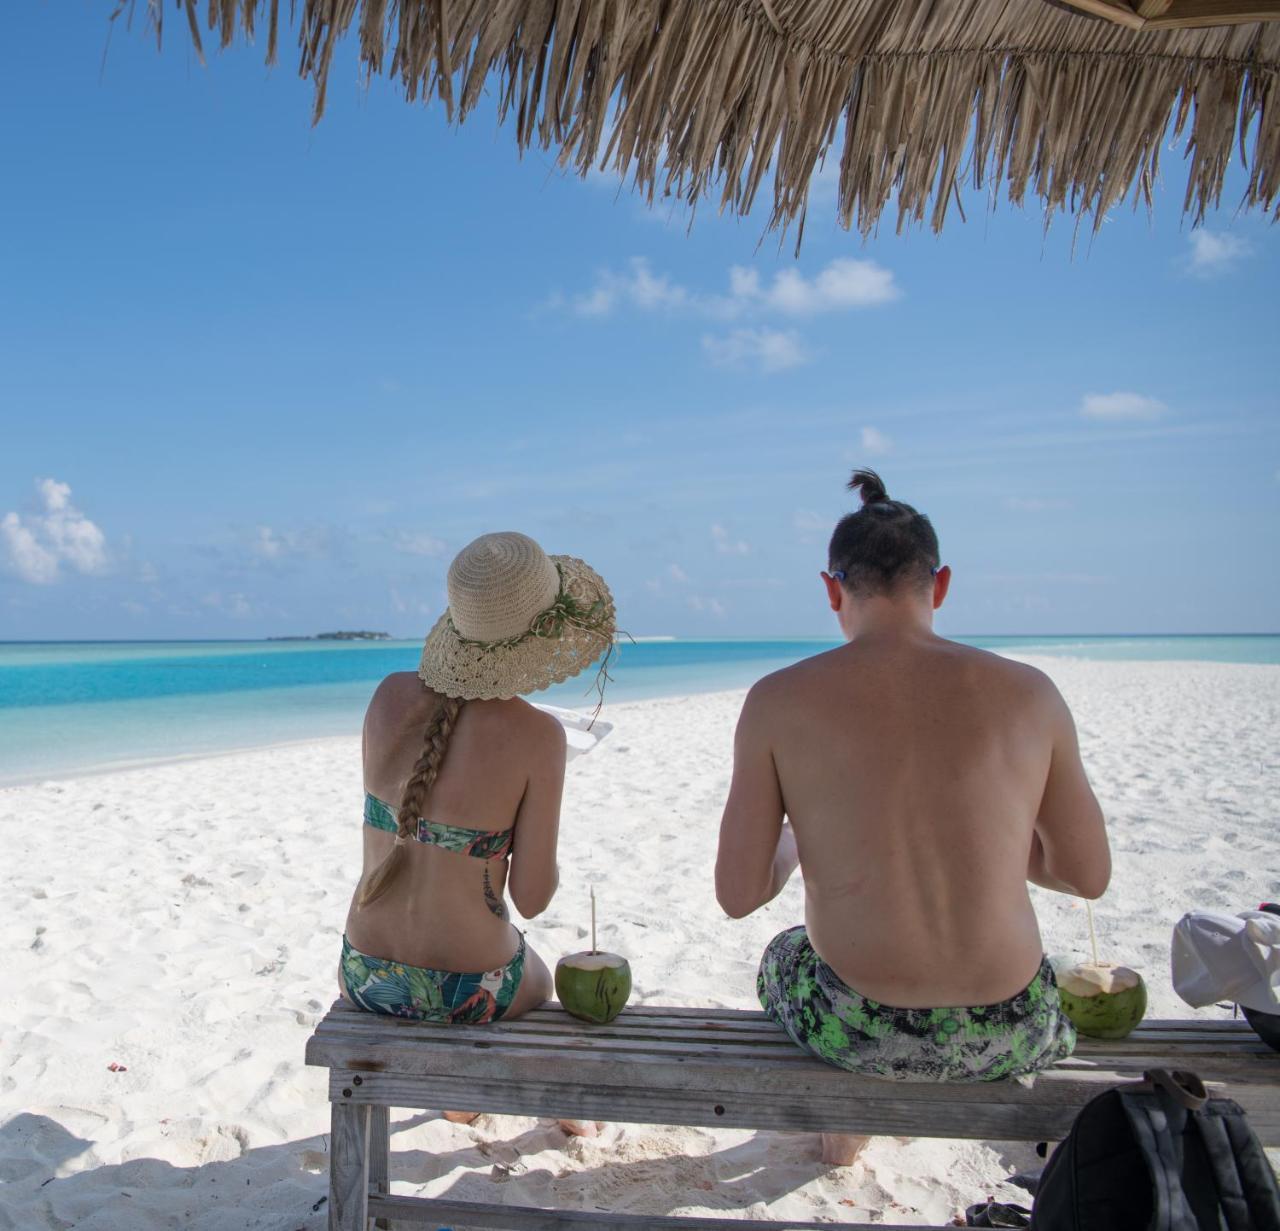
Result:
pixel 400 840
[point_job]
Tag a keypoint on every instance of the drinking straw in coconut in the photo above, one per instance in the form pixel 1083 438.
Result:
pixel 1093 936
pixel 593 920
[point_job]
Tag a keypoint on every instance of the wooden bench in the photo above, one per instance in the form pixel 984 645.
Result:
pixel 705 1067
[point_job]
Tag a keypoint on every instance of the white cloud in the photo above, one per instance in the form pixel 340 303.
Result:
pixel 726 544
pixel 676 573
pixel 27 557
pixel 845 283
pixel 1213 253
pixel 807 522
pixel 637 287
pixel 270 544
pixel 875 443
pixel 1111 406
pixel 769 350
pixel 707 606
pixel 57 533
pixel 416 543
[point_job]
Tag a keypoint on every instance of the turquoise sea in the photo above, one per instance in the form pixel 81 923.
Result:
pixel 75 707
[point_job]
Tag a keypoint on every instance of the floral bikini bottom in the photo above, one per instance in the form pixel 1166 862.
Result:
pixel 425 995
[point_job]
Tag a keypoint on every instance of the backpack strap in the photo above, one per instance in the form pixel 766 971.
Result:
pixel 1157 1110
pixel 1184 1088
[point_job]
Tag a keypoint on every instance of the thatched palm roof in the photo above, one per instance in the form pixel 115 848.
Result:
pixel 706 98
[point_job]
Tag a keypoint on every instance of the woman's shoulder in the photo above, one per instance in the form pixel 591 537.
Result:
pixel 518 716
pixel 400 700
pixel 400 689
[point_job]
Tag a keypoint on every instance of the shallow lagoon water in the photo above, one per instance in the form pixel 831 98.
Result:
pixel 75 707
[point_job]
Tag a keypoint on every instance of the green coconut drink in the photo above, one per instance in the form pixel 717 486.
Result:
pixel 1103 1000
pixel 593 986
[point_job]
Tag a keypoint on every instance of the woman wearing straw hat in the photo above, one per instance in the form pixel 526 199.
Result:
pixel 463 782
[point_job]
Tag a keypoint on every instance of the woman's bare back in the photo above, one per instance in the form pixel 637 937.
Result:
pixel 442 911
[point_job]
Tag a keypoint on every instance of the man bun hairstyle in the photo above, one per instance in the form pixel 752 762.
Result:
pixel 869 485
pixel 885 544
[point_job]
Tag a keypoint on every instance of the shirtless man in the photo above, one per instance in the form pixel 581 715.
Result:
pixel 919 785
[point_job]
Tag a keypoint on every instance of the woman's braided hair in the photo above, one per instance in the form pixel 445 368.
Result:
pixel 425 772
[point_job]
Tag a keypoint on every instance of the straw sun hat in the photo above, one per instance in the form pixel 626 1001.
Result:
pixel 518 620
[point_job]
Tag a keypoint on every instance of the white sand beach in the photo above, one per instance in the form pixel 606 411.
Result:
pixel 182 922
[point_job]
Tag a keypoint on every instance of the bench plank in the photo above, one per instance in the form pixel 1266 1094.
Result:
pixel 425 1049
pixel 531 1218
pixel 882 1110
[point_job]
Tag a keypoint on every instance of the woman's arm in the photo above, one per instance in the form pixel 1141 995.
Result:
pixel 534 874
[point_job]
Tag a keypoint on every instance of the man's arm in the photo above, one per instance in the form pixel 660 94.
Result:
pixel 1069 850
pixel 757 851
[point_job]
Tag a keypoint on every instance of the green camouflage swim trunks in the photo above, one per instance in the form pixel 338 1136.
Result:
pixel 1013 1038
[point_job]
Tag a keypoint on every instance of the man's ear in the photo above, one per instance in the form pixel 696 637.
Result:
pixel 835 591
pixel 941 585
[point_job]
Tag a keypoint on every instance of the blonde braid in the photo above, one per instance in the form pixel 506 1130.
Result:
pixel 425 772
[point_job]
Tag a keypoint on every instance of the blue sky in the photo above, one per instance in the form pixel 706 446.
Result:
pixel 261 378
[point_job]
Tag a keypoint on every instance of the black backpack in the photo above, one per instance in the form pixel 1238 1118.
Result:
pixel 1158 1155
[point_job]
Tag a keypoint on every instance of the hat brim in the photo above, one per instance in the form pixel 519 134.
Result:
pixel 471 672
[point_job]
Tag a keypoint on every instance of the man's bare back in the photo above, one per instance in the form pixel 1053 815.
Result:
pixel 913 771
pixel 925 783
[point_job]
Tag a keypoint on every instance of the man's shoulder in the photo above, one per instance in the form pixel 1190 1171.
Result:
pixel 1012 678
pixel 791 682
pixel 989 660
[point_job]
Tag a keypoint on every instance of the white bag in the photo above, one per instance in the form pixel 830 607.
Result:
pixel 1228 957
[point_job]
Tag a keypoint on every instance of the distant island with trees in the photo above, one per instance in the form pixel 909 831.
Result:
pixel 340 635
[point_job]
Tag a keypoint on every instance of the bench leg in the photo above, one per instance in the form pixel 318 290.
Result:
pixel 349 1167
pixel 380 1156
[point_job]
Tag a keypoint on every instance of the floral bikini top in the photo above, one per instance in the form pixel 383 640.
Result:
pixel 482 843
